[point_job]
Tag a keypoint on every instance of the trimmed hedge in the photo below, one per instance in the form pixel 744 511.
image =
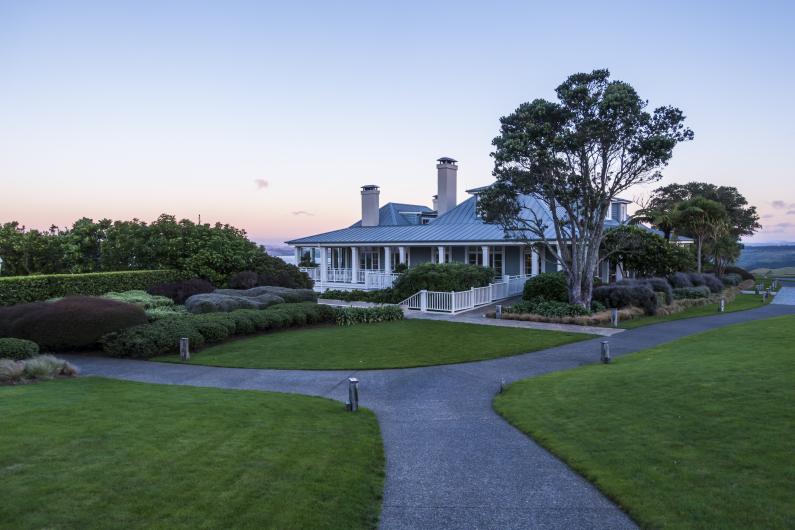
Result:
pixel 17 349
pixel 441 277
pixel 162 336
pixel 701 291
pixel 348 316
pixel 620 296
pixel 140 298
pixel 548 308
pixel 25 289
pixel 181 290
pixel 71 323
pixel 550 286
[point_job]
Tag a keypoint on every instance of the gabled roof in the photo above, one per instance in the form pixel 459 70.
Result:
pixel 397 214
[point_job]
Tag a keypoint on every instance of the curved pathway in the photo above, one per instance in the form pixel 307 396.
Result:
pixel 452 462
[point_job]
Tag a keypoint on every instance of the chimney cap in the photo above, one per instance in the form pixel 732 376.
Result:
pixel 368 187
pixel 446 160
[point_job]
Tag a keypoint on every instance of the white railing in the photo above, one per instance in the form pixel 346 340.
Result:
pixel 365 279
pixel 312 272
pixel 456 301
pixel 379 280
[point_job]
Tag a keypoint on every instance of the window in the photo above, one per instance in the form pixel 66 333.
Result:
pixel 497 254
pixel 528 260
pixel 370 259
pixel 474 255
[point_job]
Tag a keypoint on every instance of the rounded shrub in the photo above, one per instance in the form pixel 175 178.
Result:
pixel 243 280
pixel 550 286
pixel 714 284
pixel 679 280
pixel 140 298
pixel 72 323
pixel 701 291
pixel 155 338
pixel 620 296
pixel 17 349
pixel 441 277
pixel 181 290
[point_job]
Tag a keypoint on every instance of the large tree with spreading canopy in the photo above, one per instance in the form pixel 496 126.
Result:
pixel 575 155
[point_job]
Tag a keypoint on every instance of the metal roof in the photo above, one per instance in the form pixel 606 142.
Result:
pixel 390 214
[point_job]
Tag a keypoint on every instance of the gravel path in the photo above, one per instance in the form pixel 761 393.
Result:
pixel 452 462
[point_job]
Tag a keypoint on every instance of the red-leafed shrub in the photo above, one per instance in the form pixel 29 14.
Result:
pixel 72 323
pixel 181 290
pixel 244 280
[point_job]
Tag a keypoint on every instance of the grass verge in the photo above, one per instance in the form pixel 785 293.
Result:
pixel 696 433
pixel 98 453
pixel 401 344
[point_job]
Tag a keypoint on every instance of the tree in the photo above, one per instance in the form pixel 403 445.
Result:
pixel 574 156
pixel 644 252
pixel 702 219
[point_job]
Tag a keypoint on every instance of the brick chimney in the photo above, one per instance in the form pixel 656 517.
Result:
pixel 447 176
pixel 370 205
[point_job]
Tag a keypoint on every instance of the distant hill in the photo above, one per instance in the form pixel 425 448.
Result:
pixel 767 257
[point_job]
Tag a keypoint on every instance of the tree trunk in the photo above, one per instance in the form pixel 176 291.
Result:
pixel 699 241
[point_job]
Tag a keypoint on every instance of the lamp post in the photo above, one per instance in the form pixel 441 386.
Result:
pixel 1 266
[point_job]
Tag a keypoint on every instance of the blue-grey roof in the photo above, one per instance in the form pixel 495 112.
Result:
pixel 397 214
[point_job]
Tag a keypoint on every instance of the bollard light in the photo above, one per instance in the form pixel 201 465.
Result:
pixel 722 305
pixel 614 317
pixel 498 312
pixel 353 394
pixel 184 349
pixel 605 352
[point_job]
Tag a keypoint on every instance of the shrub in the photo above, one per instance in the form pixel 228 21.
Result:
pixel 658 285
pixel 225 301
pixel 140 298
pixel 181 290
pixel 732 279
pixel 733 269
pixel 702 291
pixel 348 316
pixel 71 323
pixel 162 336
pixel 17 349
pixel 548 308
pixel 597 306
pixel 275 271
pixel 243 280
pixel 287 294
pixel 47 367
pixel 380 296
pixel 714 284
pixel 25 289
pixel 696 278
pixel 165 312
pixel 11 371
pixel 679 280
pixel 620 296
pixel 551 286
pixel 441 277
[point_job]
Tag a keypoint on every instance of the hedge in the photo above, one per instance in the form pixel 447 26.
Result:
pixel 24 289
pixel 17 349
pixel 348 316
pixel 549 286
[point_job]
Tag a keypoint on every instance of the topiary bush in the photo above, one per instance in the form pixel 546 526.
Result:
pixel 229 300
pixel 548 308
pixel 620 296
pixel 713 282
pixel 181 290
pixel 26 289
pixel 71 323
pixel 17 349
pixel 551 286
pixel 140 298
pixel 162 336
pixel 658 285
pixel 441 277
pixel 287 294
pixel 680 280
pixel 348 316
pixel 379 296
pixel 701 291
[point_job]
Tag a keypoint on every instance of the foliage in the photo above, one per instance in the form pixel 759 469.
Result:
pixel 658 285
pixel 162 336
pixel 441 277
pixel 620 296
pixel 212 252
pixel 306 260
pixel 688 405
pixel 644 252
pixel 575 156
pixel 17 349
pixel 548 308
pixel 23 289
pixel 379 296
pixel 401 344
pixel 243 280
pixel 551 286
pixel 223 302
pixel 71 323
pixel 140 298
pixel 348 316
pixel 703 220
pixel 700 291
pixel 34 367
pixel 744 274
pixel 181 290
pixel 731 279
pixel 680 280
pixel 155 456
pixel 165 312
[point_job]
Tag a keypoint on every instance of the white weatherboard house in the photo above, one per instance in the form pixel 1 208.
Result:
pixel 364 255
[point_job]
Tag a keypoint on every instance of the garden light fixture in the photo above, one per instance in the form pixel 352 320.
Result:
pixel 605 352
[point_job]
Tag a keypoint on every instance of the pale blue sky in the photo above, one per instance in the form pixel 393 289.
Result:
pixel 132 109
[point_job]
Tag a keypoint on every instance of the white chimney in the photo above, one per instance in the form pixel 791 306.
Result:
pixel 370 205
pixel 435 202
pixel 447 172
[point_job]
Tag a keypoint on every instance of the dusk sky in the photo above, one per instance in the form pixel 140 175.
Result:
pixel 270 116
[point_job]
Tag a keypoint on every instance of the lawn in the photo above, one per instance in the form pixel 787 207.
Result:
pixel 400 344
pixel 97 453
pixel 741 303
pixel 697 433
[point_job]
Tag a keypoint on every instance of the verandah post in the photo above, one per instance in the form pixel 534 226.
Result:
pixel 424 301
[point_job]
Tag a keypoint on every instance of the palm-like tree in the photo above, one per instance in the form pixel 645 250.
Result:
pixel 659 217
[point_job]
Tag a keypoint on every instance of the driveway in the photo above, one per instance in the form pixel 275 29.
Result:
pixel 451 461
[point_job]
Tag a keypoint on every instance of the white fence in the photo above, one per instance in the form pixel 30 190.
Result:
pixel 343 278
pixel 457 301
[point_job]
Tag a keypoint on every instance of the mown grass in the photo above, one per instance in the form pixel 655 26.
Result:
pixel 697 433
pixel 400 344
pixel 742 302
pixel 97 453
